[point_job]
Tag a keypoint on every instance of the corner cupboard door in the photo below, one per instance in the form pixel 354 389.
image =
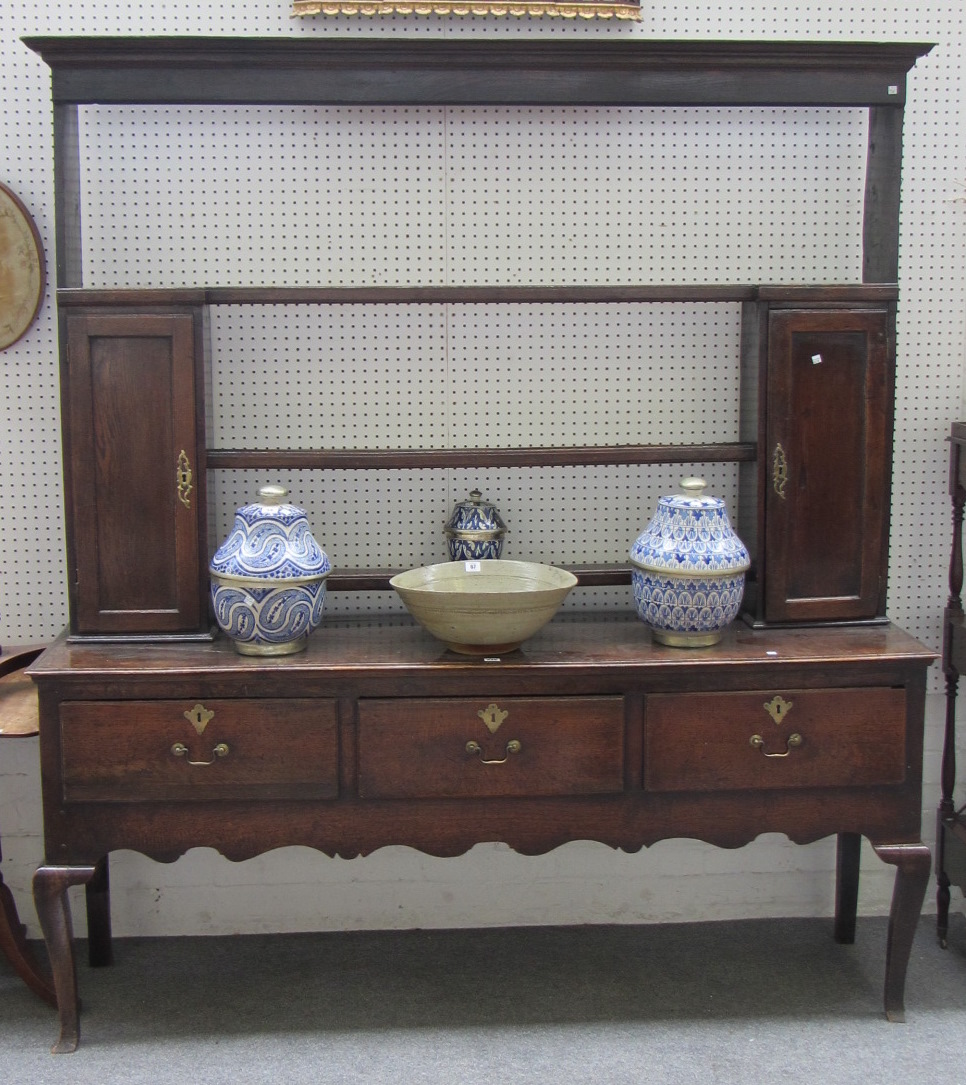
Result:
pixel 135 486
pixel 829 420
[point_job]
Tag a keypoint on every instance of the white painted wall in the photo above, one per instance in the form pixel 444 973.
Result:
pixel 295 889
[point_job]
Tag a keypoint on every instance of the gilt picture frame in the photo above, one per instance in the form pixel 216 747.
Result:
pixel 583 9
pixel 23 270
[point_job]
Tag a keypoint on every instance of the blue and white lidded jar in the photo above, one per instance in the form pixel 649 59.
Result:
pixel 688 569
pixel 268 577
pixel 474 531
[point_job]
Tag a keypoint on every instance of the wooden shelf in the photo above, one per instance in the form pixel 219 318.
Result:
pixel 351 459
pixel 576 293
pixel 588 576
pixel 472 71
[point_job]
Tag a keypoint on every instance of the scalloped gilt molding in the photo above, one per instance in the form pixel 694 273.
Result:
pixel 589 9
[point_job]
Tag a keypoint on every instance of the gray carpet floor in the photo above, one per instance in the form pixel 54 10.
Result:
pixel 772 1001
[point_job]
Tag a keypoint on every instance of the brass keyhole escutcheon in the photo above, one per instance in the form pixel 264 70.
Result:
pixel 492 716
pixel 199 717
pixel 779 471
pixel 778 708
pixel 184 479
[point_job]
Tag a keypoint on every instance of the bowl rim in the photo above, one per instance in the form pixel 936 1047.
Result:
pixel 505 564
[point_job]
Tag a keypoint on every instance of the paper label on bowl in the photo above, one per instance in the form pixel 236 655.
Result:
pixel 471 566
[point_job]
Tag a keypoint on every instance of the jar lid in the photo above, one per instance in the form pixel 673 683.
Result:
pixel 271 540
pixel 692 496
pixel 690 534
pixel 475 518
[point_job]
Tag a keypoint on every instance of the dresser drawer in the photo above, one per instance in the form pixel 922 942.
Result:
pixel 454 748
pixel 130 751
pixel 775 739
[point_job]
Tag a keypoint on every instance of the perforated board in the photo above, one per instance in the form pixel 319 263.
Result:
pixel 269 196
pixel 424 196
pixel 417 196
pixel 779 232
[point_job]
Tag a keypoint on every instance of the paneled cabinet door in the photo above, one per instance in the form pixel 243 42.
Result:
pixel 826 479
pixel 135 490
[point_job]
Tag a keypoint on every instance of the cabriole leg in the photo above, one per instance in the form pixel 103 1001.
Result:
pixel 913 864
pixel 14 946
pixel 53 911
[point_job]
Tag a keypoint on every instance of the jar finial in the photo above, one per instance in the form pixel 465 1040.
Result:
pixel 272 495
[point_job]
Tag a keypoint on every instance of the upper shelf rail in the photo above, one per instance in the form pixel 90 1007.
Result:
pixel 471 71
pixel 479 72
pixel 280 459
pixel 851 294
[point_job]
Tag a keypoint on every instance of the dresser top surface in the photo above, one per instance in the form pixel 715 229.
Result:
pixel 602 642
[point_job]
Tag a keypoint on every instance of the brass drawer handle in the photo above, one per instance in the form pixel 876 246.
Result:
pixel 179 749
pixel 794 740
pixel 513 746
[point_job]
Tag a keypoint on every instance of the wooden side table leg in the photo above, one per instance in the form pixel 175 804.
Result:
pixel 913 864
pixel 946 809
pixel 53 910
pixel 847 886
pixel 99 946
pixel 942 882
pixel 14 946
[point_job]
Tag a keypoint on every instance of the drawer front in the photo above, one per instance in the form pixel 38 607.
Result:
pixel 516 746
pixel 775 739
pixel 132 751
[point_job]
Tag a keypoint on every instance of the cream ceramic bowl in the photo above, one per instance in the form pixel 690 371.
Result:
pixel 483 607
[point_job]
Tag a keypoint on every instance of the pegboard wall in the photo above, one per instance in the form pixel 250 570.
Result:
pixel 467 376
pixel 401 196
pixel 285 197
pixel 418 196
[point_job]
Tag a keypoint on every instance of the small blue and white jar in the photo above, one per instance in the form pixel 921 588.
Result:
pixel 688 569
pixel 474 531
pixel 268 578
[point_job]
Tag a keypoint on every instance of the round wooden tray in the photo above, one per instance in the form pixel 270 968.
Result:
pixel 18 694
pixel 23 272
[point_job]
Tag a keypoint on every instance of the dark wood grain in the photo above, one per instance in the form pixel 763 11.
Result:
pixel 384 459
pixel 830 381
pixel 121 751
pixel 588 576
pixel 950 822
pixel 913 863
pixel 67 221
pixel 848 737
pixel 880 223
pixel 376 696
pixel 53 911
pixel 394 662
pixel 848 855
pixel 645 293
pixel 412 295
pixel 387 71
pixel 581 697
pixel 416 747
pixel 135 556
